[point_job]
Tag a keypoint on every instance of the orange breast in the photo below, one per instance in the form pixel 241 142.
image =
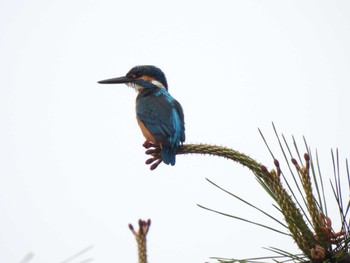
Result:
pixel 146 132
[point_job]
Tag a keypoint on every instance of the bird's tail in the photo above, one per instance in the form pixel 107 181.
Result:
pixel 168 155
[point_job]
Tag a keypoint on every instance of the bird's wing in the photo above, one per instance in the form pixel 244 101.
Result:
pixel 180 112
pixel 163 117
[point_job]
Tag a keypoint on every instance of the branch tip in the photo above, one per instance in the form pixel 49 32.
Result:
pixel 264 169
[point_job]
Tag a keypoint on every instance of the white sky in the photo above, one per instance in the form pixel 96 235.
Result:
pixel 72 170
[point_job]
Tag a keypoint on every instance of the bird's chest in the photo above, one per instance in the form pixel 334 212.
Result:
pixel 146 133
pixel 145 111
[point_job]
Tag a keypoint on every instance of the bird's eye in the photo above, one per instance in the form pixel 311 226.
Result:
pixel 131 76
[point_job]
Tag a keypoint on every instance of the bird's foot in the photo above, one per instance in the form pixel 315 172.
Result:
pixel 148 144
pixel 155 151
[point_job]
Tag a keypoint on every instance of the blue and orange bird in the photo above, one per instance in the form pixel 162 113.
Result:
pixel 158 114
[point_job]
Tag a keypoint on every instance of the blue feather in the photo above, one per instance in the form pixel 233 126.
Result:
pixel 168 155
pixel 163 117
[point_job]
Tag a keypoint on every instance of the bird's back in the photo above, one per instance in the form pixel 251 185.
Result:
pixel 163 117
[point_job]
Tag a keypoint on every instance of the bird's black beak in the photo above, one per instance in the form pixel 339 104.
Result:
pixel 116 80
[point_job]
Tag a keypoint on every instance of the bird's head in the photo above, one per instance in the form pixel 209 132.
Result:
pixel 141 77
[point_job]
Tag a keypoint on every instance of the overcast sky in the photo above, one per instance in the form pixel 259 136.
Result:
pixel 72 170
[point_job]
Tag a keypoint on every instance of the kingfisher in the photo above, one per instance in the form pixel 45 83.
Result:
pixel 158 114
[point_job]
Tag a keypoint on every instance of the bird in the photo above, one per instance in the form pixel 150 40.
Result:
pixel 159 115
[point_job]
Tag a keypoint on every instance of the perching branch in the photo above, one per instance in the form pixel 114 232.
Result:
pixel 316 243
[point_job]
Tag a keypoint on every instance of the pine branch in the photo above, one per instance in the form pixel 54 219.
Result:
pixel 141 239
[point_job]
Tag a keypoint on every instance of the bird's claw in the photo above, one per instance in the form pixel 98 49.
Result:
pixel 155 163
pixel 155 151
pixel 148 144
